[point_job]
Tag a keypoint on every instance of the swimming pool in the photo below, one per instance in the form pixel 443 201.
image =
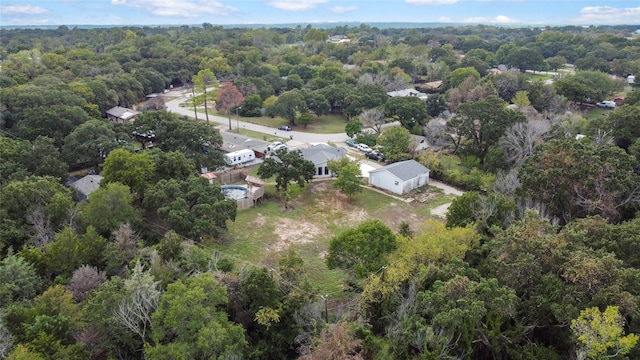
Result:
pixel 236 192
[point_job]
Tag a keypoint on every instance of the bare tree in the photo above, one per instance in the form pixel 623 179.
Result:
pixel 126 241
pixel 601 138
pixel 336 343
pixel 141 299
pixel 373 118
pixel 506 183
pixel 436 132
pixel 43 231
pixel 520 140
pixel 85 279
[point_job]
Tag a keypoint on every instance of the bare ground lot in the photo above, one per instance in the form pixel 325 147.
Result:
pixel 262 234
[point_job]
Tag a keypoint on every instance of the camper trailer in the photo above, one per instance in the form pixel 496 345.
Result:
pixel 239 157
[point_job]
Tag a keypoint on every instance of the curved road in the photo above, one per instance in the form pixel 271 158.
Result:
pixel 174 106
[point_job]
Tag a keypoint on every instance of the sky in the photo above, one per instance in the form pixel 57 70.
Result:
pixel 233 12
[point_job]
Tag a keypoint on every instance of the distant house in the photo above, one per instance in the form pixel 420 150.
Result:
pixel 420 142
pixel 320 155
pixel 121 114
pixel 400 177
pixel 86 185
pixel 408 92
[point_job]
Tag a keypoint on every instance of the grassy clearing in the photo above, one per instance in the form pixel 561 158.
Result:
pixel 534 77
pixel 258 135
pixel 262 234
pixel 596 113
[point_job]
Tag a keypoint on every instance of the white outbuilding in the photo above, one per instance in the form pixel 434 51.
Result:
pixel 400 177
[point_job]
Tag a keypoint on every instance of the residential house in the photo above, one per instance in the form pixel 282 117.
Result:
pixel 408 92
pixel 86 185
pixel 121 114
pixel 233 142
pixel 419 143
pixel 400 177
pixel 320 155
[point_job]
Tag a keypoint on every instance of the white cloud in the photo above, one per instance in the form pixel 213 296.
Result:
pixel 443 19
pixel 431 2
pixel 295 5
pixel 500 19
pixel 22 9
pixel 343 9
pixel 607 15
pixel 182 8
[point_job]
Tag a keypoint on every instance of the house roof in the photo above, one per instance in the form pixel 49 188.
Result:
pixel 122 113
pixel 321 153
pixel 209 176
pixel 234 142
pixel 406 92
pixel 87 184
pixel 433 84
pixel 404 170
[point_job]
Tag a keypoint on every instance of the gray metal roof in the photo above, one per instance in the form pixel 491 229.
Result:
pixel 404 170
pixel 87 184
pixel 233 142
pixel 321 153
pixel 122 113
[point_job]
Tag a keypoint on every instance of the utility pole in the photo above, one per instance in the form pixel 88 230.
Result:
pixel 326 307
pixel 193 100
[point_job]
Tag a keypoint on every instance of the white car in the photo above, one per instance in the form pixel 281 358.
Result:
pixel 272 146
pixel 278 147
pixel 363 147
pixel 607 104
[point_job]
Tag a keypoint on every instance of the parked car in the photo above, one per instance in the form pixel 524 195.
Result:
pixel 363 147
pixel 273 145
pixel 351 143
pixel 606 104
pixel 375 155
pixel 284 127
pixel 278 147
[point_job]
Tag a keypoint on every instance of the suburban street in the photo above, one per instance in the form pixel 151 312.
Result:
pixel 174 106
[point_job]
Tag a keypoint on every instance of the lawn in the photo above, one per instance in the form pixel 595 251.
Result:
pixel 262 234
pixel 596 113
pixel 326 124
pixel 534 77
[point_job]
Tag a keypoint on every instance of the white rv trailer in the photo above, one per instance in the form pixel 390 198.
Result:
pixel 239 157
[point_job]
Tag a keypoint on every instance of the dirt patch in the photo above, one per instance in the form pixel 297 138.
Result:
pixel 259 220
pixel 290 232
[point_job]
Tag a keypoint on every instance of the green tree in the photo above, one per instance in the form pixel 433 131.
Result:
pixel 188 322
pixel 18 280
pixel 600 334
pixel 409 110
pixel 89 143
pixel 287 166
pixel 172 165
pixel 353 127
pixel 131 169
pixel 363 97
pixel 482 123
pixel 362 250
pixel 69 251
pixel 305 119
pixel 459 75
pixel 34 209
pixel 525 58
pixel 109 207
pixel 290 104
pixel 576 89
pixel 349 176
pixel 521 99
pixel 576 179
pixel 625 123
pixel 23 158
pixel 191 207
pixel 395 142
pixel 201 80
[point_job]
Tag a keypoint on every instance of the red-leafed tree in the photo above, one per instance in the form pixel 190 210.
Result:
pixel 228 97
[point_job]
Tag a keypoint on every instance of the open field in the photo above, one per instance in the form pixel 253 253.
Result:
pixel 260 235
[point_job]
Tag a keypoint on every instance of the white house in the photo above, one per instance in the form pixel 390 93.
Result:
pixel 400 177
pixel 320 155
pixel 121 114
pixel 408 92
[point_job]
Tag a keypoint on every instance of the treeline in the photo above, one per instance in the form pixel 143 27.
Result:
pixel 519 271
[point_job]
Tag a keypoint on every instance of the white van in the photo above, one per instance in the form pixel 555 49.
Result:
pixel 239 157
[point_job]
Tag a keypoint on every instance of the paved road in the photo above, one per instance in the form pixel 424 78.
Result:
pixel 174 106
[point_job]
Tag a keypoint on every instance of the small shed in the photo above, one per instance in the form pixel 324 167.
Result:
pixel 210 176
pixel 400 177
pixel 320 155
pixel 86 185
pixel 121 114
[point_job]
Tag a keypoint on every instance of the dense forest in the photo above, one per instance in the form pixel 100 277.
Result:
pixel 539 259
